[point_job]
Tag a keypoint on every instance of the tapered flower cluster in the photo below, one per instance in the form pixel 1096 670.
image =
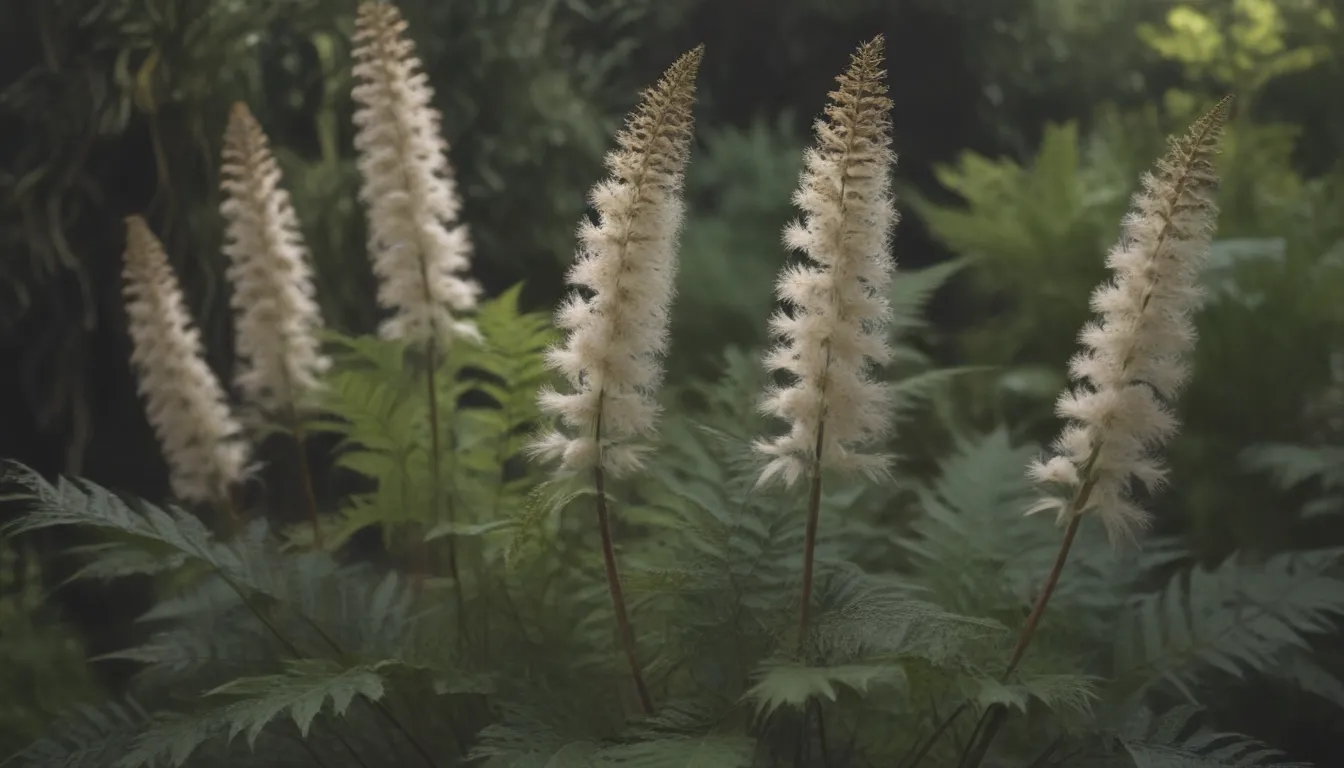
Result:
pixel 625 270
pixel 836 329
pixel 184 401
pixel 418 248
pixel 1131 366
pixel 279 358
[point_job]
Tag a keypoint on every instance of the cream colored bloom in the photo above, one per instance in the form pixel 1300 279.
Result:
pixel 1132 365
pixel 625 270
pixel 277 319
pixel 418 248
pixel 837 327
pixel 183 399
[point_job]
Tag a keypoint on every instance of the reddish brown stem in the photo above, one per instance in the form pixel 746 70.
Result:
pixel 999 713
pixel 1042 599
pixel 617 594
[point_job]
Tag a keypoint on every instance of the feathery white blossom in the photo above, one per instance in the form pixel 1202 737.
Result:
pixel 627 263
pixel 183 399
pixel 418 248
pixel 1131 366
pixel 837 327
pixel 277 318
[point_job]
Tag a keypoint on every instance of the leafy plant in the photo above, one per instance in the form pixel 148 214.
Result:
pixel 856 624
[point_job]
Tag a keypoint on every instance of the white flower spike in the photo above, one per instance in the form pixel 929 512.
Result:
pixel 626 266
pixel 418 248
pixel 1132 363
pixel 277 317
pixel 838 324
pixel 183 399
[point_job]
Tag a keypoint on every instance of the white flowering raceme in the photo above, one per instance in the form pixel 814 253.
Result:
pixel 837 327
pixel 1131 365
pixel 627 264
pixel 279 360
pixel 183 399
pixel 418 248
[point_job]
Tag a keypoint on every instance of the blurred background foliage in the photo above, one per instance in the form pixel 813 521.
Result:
pixel 1023 127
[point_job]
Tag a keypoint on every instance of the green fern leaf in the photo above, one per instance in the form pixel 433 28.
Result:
pixel 1238 618
pixel 1173 740
pixel 786 684
pixel 86 737
pixel 303 690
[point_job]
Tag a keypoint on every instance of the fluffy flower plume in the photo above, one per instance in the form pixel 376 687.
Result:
pixel 184 400
pixel 419 251
pixel 837 327
pixel 626 265
pixel 1131 366
pixel 279 359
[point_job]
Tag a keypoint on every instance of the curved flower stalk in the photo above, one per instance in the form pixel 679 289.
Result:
pixel 837 328
pixel 280 363
pixel 184 401
pixel 617 334
pixel 1132 363
pixel 627 263
pixel 1131 366
pixel 419 251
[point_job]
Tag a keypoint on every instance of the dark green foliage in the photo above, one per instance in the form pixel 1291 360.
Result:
pixel 264 652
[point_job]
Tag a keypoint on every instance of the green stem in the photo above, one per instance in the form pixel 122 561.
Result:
pixel 436 453
pixel 306 477
pixel 810 541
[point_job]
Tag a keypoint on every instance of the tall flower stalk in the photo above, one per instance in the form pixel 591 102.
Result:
pixel 617 333
pixel 1132 364
pixel 418 248
pixel 184 401
pixel 277 317
pixel 836 330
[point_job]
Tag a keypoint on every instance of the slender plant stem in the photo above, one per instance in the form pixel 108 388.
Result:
pixel 311 752
pixel 810 540
pixel 290 647
pixel 998 713
pixel 614 580
pixel 938 731
pixel 300 439
pixel 821 733
pixel 383 709
pixel 1038 610
pixel 436 459
pixel 231 520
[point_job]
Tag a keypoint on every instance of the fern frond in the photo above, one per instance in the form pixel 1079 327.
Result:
pixel 86 737
pixel 971 546
pixel 1240 618
pixel 1292 466
pixel 1174 740
pixel 864 616
pixel 782 684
